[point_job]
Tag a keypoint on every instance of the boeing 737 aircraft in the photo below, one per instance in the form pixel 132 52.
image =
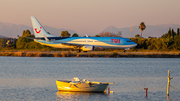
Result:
pixel 79 43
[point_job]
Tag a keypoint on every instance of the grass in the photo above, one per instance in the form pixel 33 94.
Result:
pixel 115 53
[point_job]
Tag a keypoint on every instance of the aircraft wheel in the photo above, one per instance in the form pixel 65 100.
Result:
pixel 124 50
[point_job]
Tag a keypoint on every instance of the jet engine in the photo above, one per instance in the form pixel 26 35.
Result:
pixel 87 48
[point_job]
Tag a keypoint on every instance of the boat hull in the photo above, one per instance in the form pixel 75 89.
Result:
pixel 80 87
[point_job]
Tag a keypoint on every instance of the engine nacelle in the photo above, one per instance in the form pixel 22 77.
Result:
pixel 87 48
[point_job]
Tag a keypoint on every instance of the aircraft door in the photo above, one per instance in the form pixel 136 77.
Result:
pixel 121 42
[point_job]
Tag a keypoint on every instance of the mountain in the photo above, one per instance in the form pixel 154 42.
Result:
pixel 12 30
pixel 151 30
pixel 56 31
pixel 2 36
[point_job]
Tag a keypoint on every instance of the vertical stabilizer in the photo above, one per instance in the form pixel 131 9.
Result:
pixel 39 31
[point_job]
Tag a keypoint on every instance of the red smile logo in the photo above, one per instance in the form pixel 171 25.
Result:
pixel 37 30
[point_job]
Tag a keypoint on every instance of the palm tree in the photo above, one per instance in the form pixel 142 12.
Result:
pixel 142 26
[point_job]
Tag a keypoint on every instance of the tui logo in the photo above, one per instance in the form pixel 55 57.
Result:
pixel 115 40
pixel 37 30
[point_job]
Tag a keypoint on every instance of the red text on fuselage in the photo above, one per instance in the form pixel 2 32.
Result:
pixel 115 40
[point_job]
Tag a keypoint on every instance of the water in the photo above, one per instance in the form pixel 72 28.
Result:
pixel 33 78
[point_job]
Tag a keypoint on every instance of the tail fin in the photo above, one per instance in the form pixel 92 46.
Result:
pixel 39 31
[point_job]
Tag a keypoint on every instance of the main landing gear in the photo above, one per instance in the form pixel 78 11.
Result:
pixel 77 49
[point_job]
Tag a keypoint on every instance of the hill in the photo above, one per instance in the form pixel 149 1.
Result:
pixel 12 30
pixel 2 36
pixel 151 30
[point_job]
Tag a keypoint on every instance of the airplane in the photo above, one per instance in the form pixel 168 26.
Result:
pixel 79 43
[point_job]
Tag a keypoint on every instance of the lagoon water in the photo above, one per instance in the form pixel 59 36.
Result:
pixel 34 78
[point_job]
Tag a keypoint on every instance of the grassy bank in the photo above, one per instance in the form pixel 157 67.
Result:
pixel 90 54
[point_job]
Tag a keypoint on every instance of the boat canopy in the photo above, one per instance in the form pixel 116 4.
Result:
pixel 75 79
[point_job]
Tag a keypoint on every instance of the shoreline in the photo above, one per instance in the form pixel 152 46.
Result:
pixel 101 54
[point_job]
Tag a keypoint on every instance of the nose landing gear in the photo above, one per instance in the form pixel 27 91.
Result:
pixel 126 49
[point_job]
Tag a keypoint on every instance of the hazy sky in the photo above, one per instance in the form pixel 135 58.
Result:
pixel 90 16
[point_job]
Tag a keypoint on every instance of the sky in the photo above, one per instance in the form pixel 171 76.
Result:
pixel 90 16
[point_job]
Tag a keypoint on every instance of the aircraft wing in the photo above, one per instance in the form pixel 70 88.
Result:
pixel 31 38
pixel 71 44
pixel 68 44
pixel 54 41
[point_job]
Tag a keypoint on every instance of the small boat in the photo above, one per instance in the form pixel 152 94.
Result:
pixel 84 85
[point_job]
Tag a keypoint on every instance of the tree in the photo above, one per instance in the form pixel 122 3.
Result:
pixel 107 34
pixel 65 34
pixel 21 42
pixel 97 36
pixel 26 33
pixel 2 43
pixel 137 36
pixel 177 43
pixel 142 26
pixel 173 33
pixel 75 35
pixel 178 31
pixel 167 35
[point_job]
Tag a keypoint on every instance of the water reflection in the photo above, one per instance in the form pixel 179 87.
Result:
pixel 33 79
pixel 79 96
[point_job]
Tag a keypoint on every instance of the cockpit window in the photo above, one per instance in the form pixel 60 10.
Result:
pixel 129 41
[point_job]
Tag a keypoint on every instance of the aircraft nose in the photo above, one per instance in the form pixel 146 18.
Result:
pixel 135 44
